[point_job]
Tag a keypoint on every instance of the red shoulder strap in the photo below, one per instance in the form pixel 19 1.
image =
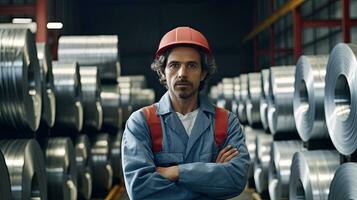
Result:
pixel 153 121
pixel 220 126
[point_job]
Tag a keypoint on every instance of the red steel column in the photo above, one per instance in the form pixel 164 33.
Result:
pixel 297 28
pixel 346 21
pixel 41 19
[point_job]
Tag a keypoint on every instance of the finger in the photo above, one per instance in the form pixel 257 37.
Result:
pixel 228 153
pixel 224 150
pixel 229 158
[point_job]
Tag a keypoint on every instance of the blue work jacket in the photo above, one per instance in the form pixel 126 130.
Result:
pixel 199 176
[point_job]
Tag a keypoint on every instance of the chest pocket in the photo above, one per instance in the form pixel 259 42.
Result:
pixel 164 159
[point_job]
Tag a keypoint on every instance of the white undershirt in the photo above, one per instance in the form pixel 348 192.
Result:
pixel 188 120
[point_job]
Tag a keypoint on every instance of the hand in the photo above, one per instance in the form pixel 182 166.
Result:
pixel 226 154
pixel 171 173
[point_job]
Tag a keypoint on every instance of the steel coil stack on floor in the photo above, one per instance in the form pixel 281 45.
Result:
pixel 84 167
pixel 5 185
pixel 343 185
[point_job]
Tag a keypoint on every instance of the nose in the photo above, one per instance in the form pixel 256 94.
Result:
pixel 182 72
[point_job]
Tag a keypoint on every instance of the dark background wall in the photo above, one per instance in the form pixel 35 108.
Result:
pixel 140 24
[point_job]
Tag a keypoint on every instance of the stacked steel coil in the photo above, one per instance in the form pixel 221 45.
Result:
pixel 242 113
pixel 262 159
pixel 68 94
pixel 281 93
pixel 31 26
pixel 253 101
pixel 309 96
pixel 250 139
pixel 341 96
pixel 92 106
pixel 102 166
pixel 142 97
pixel 84 166
pixel 279 171
pixel 263 108
pixel 26 166
pixel 101 51
pixel 236 92
pixel 115 153
pixel 344 182
pixel 48 97
pixel 61 168
pixel 312 173
pixel 5 186
pixel 112 111
pixel 214 94
pixel 20 86
pixel 228 92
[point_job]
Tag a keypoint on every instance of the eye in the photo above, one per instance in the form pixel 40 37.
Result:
pixel 174 65
pixel 192 65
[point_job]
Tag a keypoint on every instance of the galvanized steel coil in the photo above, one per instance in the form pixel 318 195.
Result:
pixel 26 166
pixel 236 95
pixel 48 96
pixel 84 167
pixel 281 93
pixel 115 152
pixel 61 168
pixel 100 50
pixel 309 96
pixel 5 185
pixel 242 112
pixel 262 159
pixel 214 94
pixel 102 166
pixel 142 97
pixel 112 111
pixel 311 174
pixel 253 101
pixel 250 139
pixel 279 171
pixel 341 97
pixel 228 92
pixel 20 86
pixel 344 182
pixel 31 26
pixel 68 92
pixel 263 104
pixel 92 104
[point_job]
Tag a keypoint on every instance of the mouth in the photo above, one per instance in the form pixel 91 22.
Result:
pixel 182 84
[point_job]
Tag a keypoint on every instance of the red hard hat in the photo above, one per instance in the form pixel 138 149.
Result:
pixel 183 35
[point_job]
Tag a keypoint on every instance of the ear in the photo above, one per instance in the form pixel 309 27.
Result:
pixel 203 75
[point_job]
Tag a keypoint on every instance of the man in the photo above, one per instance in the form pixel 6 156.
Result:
pixel 182 157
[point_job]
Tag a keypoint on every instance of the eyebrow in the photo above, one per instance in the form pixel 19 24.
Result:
pixel 188 62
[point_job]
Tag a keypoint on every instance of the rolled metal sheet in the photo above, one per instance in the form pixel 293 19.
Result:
pixel 263 104
pixel 262 159
pixel 281 155
pixel 221 102
pixel 100 50
pixel 115 152
pixel 311 174
pixel 341 97
pixel 309 97
pixel 102 166
pixel 84 167
pixel 228 92
pixel 20 82
pixel 250 140
pixel 142 97
pixel 242 112
pixel 5 186
pixel 92 104
pixel 236 95
pixel 31 26
pixel 253 101
pixel 26 167
pixel 214 94
pixel 281 93
pixel 48 97
pixel 344 182
pixel 61 168
pixel 112 111
pixel 68 92
pixel 135 81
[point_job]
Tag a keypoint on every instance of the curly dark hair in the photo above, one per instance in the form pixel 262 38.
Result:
pixel 207 62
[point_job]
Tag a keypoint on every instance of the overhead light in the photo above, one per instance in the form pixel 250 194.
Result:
pixel 21 20
pixel 54 25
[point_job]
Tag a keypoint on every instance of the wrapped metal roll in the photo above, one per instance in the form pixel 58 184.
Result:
pixel 48 96
pixel 281 155
pixel 281 93
pixel 261 163
pixel 31 26
pixel 250 139
pixel 344 182
pixel 341 96
pixel 221 102
pixel 84 167
pixel 228 92
pixel 92 104
pixel 253 101
pixel 102 166
pixel 68 92
pixel 263 107
pixel 135 81
pixel 20 82
pixel 236 95
pixel 214 94
pixel 312 173
pixel 142 97
pixel 242 112
pixel 309 96
pixel 112 112
pixel 5 186
pixel 26 166
pixel 61 168
pixel 115 152
pixel 100 50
